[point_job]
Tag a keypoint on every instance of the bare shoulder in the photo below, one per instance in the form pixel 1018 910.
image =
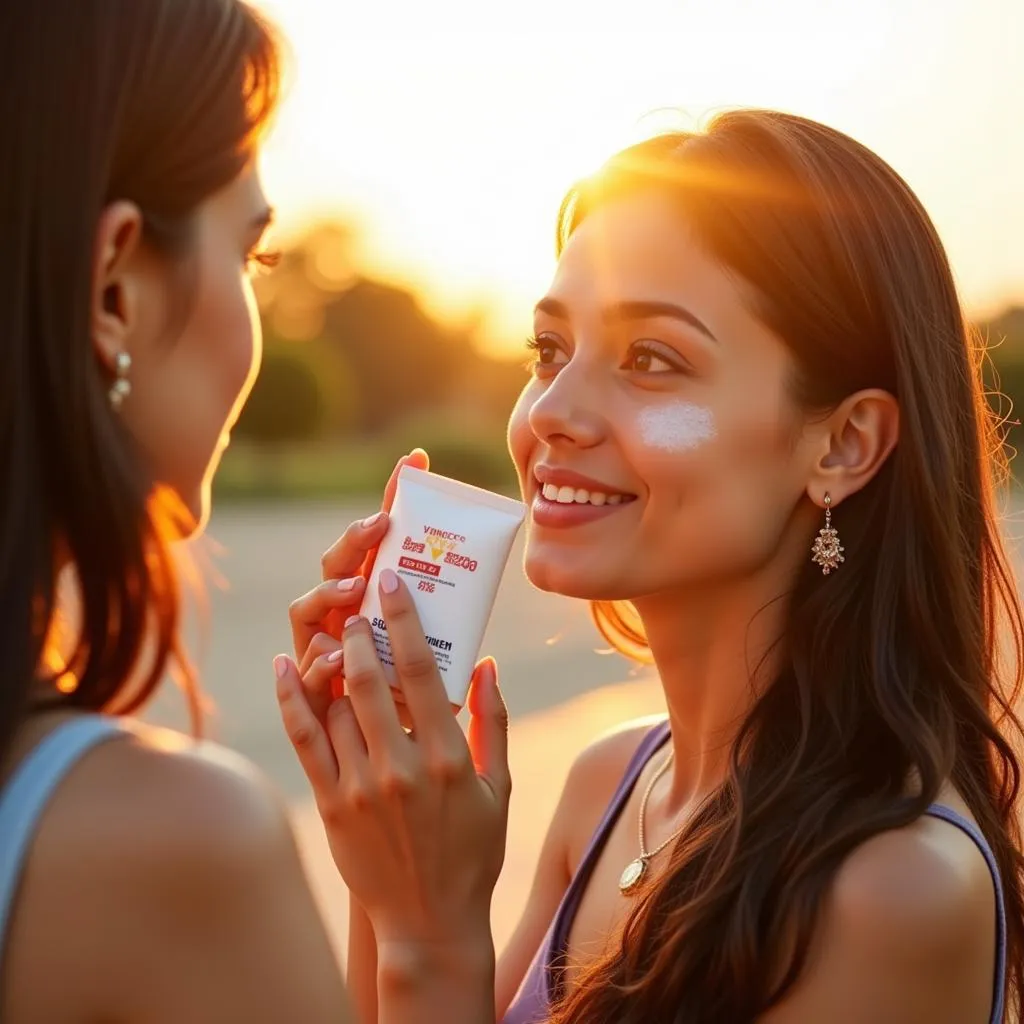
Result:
pixel 928 880
pixel 599 767
pixel 159 797
pixel 907 934
pixel 594 777
pixel 160 844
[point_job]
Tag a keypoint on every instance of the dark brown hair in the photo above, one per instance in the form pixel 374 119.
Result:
pixel 158 102
pixel 907 662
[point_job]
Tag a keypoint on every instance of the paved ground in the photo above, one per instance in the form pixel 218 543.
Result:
pixel 561 690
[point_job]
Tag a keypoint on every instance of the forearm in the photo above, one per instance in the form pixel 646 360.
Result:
pixel 422 986
pixel 361 972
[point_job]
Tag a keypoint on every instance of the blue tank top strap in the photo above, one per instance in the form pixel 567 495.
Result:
pixel 974 833
pixel 26 794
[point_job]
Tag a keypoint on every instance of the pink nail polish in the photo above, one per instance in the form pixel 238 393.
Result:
pixel 351 621
pixel 335 656
pixel 372 520
pixel 281 666
pixel 349 584
pixel 388 581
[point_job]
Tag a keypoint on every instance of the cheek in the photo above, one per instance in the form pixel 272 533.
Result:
pixel 674 427
pixel 521 438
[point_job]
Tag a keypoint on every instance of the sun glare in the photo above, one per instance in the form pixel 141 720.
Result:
pixel 448 142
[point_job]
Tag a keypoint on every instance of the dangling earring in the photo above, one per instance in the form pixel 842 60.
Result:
pixel 827 551
pixel 122 386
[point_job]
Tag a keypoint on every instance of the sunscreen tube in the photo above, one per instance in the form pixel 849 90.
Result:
pixel 449 541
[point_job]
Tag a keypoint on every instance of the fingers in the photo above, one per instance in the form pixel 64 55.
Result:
pixel 415 665
pixel 309 614
pixel 323 681
pixel 308 736
pixel 488 729
pixel 370 693
pixel 346 555
pixel 418 459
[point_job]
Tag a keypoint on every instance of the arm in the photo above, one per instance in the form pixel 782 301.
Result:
pixel 908 936
pixel 588 788
pixel 361 973
pixel 415 983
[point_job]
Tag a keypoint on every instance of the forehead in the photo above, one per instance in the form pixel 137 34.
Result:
pixel 642 247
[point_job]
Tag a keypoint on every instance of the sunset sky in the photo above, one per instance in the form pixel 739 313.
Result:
pixel 449 130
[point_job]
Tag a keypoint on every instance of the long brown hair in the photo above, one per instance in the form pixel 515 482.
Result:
pixel 158 102
pixel 912 652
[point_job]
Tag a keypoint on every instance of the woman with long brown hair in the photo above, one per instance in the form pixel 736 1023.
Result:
pixel 756 439
pixel 143 877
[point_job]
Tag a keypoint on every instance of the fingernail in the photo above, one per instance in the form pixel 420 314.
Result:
pixel 372 520
pixel 335 656
pixel 388 581
pixel 351 621
pixel 280 666
pixel 350 584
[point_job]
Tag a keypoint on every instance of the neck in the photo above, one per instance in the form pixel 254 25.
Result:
pixel 714 651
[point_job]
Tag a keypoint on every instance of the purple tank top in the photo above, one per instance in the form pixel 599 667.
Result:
pixel 542 985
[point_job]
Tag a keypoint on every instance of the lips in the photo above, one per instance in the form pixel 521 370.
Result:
pixel 565 489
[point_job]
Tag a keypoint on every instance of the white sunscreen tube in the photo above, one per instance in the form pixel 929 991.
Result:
pixel 449 541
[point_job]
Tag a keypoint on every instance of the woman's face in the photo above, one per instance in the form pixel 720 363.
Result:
pixel 189 382
pixel 656 442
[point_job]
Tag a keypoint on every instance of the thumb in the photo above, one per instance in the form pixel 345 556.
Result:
pixel 488 729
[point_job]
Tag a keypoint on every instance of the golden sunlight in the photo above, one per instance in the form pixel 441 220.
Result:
pixel 448 138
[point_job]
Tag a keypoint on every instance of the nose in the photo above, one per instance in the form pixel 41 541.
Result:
pixel 569 412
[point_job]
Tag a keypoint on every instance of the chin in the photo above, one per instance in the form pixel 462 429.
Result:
pixel 588 582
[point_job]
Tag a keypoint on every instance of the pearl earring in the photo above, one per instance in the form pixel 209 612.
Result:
pixel 122 386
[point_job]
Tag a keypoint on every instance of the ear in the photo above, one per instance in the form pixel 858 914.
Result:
pixel 856 440
pixel 116 294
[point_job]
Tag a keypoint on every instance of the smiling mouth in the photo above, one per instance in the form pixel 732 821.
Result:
pixel 581 496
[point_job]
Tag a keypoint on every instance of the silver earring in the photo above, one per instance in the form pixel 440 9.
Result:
pixel 122 386
pixel 827 551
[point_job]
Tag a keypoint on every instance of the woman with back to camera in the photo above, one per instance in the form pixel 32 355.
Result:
pixel 143 878
pixel 756 439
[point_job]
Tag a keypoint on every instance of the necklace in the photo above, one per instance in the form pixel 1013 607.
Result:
pixel 635 870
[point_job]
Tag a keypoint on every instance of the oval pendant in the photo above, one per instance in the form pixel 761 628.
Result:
pixel 633 875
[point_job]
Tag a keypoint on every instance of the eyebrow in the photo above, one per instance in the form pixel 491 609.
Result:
pixel 632 309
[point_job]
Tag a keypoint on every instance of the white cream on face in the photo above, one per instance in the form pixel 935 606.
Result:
pixel 675 426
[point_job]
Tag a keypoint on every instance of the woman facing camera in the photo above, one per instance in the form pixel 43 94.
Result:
pixel 755 439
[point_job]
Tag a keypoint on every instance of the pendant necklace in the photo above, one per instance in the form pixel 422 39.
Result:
pixel 636 870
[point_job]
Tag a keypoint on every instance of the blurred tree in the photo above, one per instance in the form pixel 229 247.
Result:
pixel 288 403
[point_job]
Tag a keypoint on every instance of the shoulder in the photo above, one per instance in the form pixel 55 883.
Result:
pixel 907 933
pixel 158 802
pixel 594 777
pixel 928 880
pixel 600 766
pixel 161 843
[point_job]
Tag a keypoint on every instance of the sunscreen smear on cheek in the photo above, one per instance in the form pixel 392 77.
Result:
pixel 449 542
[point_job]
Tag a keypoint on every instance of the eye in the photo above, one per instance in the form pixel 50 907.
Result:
pixel 645 357
pixel 548 353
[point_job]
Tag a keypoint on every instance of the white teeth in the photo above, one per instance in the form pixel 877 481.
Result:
pixel 579 496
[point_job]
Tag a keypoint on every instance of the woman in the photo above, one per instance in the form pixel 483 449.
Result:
pixel 755 438
pixel 142 877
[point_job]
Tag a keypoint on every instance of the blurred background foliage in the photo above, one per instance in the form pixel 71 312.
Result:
pixel 356 373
